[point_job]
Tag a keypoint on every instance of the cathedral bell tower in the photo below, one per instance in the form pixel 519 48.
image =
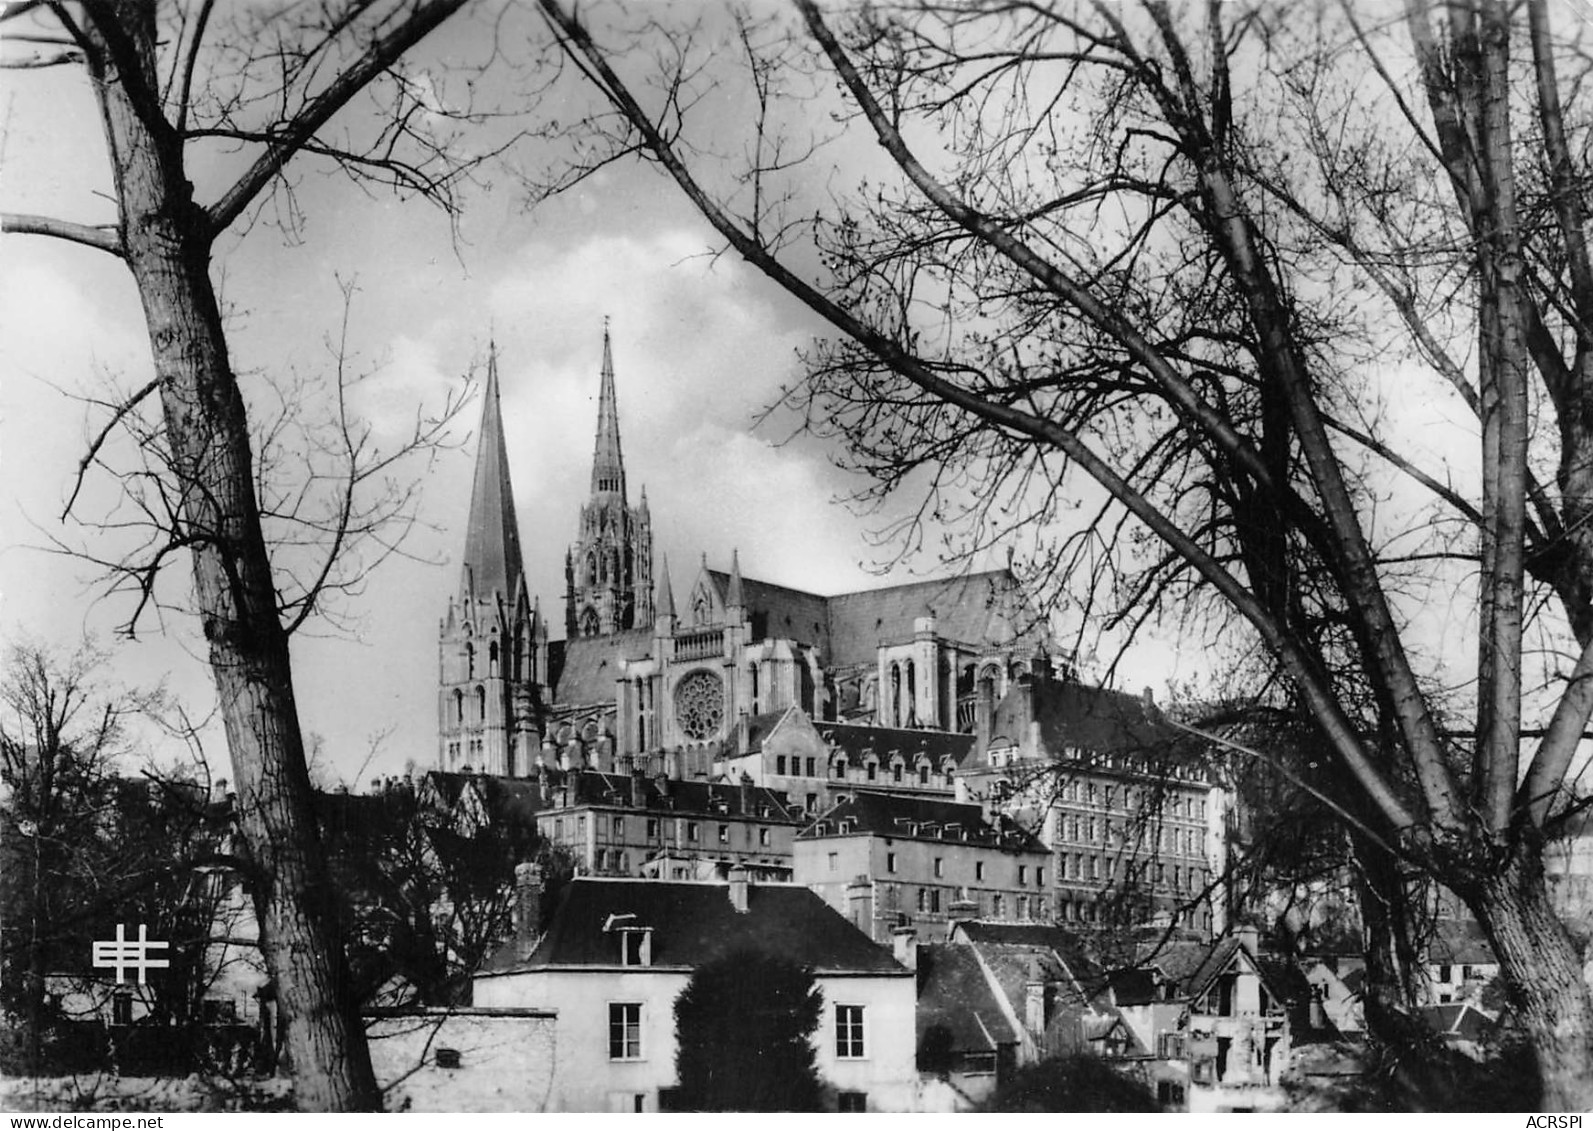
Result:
pixel 491 648
pixel 608 571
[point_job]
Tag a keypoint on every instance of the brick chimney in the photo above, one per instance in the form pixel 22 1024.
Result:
pixel 746 792
pixel 740 882
pixel 527 904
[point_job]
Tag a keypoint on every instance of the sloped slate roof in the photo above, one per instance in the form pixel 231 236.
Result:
pixel 954 994
pixel 1064 944
pixel 761 726
pixel 695 922
pixel 855 740
pixel 1073 716
pixel 591 665
pixel 895 814
pixel 779 612
pixel 979 608
pixel 1459 941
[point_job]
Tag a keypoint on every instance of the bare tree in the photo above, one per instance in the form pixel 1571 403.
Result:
pixel 1186 255
pixel 280 86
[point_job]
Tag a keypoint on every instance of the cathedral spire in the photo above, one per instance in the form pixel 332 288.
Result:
pixel 492 538
pixel 608 465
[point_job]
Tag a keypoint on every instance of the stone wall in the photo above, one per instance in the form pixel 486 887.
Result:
pixel 506 1059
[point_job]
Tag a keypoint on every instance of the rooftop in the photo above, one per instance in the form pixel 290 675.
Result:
pixel 693 922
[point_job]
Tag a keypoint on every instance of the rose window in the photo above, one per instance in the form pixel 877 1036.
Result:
pixel 700 705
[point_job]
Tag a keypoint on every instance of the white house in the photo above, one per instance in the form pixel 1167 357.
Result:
pixel 617 952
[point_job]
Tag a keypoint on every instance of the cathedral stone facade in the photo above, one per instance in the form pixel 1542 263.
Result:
pixel 644 680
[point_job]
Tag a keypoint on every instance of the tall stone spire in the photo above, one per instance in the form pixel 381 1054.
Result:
pixel 493 563
pixel 608 464
pixel 609 570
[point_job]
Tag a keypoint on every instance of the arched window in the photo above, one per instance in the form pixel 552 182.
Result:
pixel 752 670
pixel 591 569
pixel 910 715
pixel 470 661
pixel 492 658
pixel 481 703
pixel 459 706
pixel 893 715
pixel 589 622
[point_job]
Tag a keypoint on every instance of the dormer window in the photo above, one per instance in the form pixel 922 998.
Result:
pixel 636 946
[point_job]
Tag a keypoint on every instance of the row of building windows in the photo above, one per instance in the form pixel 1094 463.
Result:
pixel 759 834
pixel 940 869
pixel 1078 866
pixel 1130 798
pixel 625 1032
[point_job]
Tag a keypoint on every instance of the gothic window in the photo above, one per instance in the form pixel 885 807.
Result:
pixel 492 658
pixel 752 670
pixel 699 608
pixel 700 705
pixel 470 661
pixel 911 714
pixel 589 622
pixel 894 714
pixel 591 569
pixel 481 704
pixel 459 706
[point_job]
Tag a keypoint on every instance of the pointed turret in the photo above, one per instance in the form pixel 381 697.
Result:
pixel 608 465
pixel 733 597
pixel 666 595
pixel 492 561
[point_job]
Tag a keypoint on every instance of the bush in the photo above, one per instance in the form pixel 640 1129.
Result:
pixel 1075 1082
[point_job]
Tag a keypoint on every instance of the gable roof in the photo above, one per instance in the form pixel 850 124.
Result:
pixel 1459 942
pixel 692 923
pixel 954 995
pixel 907 816
pixel 778 612
pixel 1077 717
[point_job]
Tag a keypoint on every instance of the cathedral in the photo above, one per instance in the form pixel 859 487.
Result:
pixel 682 686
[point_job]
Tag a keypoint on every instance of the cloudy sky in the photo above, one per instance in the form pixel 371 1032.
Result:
pixel 701 344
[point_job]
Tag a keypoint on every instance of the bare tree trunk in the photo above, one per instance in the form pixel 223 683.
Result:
pixel 1543 974
pixel 166 244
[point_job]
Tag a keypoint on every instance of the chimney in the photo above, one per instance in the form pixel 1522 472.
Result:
pixel 860 904
pixel 638 784
pixel 739 883
pixel 746 792
pixel 963 908
pixel 527 905
pixel 1249 938
pixel 904 945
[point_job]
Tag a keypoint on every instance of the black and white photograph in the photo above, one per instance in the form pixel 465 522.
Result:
pixel 864 556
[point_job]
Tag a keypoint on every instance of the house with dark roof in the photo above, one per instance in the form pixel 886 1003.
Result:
pixel 887 860
pixel 615 954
